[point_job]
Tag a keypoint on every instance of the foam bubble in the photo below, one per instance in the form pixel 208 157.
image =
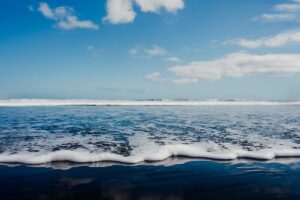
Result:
pixel 160 154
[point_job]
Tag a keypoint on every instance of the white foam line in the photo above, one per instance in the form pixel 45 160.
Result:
pixel 89 102
pixel 161 154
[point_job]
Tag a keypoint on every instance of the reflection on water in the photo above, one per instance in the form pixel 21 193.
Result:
pixel 191 180
pixel 169 162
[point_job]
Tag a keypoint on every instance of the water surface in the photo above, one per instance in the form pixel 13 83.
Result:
pixel 133 134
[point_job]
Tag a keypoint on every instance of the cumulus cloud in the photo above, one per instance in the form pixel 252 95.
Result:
pixel 273 41
pixel 235 65
pixel 64 17
pixel 47 11
pixel 121 11
pixel 156 5
pixel 282 12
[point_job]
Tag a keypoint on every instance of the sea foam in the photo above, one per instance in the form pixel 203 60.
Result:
pixel 160 154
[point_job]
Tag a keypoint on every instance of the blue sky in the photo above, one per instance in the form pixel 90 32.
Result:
pixel 139 49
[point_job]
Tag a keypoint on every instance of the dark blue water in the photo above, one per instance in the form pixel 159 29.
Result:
pixel 192 180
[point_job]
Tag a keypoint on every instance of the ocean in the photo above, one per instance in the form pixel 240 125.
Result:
pixel 146 149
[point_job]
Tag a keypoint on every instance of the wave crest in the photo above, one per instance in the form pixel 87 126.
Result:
pixel 159 155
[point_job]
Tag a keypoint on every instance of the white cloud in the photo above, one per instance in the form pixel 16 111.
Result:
pixel 156 5
pixel 236 65
pixel 156 51
pixel 282 12
pixel 155 76
pixel 184 81
pixel 72 22
pixel 275 17
pixel 240 64
pixel 273 41
pixel 46 11
pixel 64 17
pixel 121 11
pixel 288 7
pixel 173 59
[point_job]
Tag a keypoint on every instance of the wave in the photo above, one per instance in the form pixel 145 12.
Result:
pixel 161 154
pixel 90 102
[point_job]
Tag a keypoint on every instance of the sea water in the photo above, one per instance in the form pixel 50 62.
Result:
pixel 39 131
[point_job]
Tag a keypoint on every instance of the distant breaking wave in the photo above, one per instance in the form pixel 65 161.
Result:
pixel 90 102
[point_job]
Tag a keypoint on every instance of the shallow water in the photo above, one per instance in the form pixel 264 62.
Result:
pixel 133 134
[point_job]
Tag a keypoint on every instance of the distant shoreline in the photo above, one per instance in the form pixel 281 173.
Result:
pixel 149 102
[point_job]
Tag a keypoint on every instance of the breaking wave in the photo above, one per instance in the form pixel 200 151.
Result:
pixel 161 154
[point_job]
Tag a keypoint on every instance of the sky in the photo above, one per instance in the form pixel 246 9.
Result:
pixel 150 49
